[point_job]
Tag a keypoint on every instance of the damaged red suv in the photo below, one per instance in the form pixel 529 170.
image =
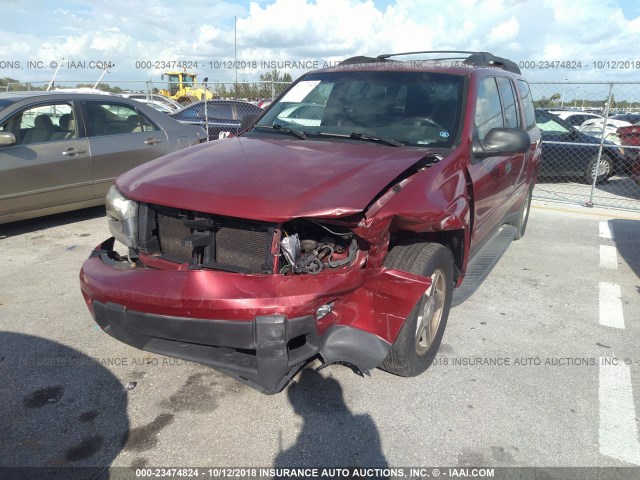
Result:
pixel 341 225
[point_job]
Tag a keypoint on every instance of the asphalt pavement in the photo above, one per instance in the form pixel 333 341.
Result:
pixel 540 367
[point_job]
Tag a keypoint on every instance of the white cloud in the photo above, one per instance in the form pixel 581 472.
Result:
pixel 504 32
pixel 315 29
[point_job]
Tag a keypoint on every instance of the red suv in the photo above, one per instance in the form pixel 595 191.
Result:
pixel 341 225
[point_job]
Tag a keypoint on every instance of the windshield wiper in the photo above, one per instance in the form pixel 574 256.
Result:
pixel 363 136
pixel 280 128
pixel 373 138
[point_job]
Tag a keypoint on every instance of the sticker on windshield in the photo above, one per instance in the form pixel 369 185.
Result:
pixel 444 134
pixel 300 91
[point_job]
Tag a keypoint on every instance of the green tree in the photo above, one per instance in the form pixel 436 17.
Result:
pixel 103 87
pixel 275 76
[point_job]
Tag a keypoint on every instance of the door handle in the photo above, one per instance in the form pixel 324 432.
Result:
pixel 152 141
pixel 70 152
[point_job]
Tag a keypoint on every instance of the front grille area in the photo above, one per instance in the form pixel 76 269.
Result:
pixel 237 246
pixel 206 241
pixel 171 231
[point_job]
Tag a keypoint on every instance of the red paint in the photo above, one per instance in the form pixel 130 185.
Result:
pixel 272 180
pixel 630 137
pixel 375 300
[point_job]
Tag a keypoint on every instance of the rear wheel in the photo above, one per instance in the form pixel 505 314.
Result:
pixel 604 172
pixel 419 339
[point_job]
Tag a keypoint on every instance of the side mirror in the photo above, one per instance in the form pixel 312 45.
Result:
pixel 7 139
pixel 247 121
pixel 502 141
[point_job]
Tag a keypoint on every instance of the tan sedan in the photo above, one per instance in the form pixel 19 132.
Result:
pixel 61 151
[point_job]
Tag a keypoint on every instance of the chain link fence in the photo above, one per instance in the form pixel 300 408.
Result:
pixel 591 143
pixel 192 90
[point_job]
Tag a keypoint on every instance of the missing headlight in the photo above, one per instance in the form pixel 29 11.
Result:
pixel 314 248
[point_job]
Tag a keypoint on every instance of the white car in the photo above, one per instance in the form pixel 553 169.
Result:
pixel 154 98
pixel 575 118
pixel 594 128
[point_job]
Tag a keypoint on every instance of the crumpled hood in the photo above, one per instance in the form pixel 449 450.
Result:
pixel 271 179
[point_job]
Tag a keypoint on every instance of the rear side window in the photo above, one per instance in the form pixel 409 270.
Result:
pixel 529 111
pixel 116 119
pixel 488 107
pixel 511 110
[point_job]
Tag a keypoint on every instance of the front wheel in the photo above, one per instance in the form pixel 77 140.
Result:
pixel 604 172
pixel 419 339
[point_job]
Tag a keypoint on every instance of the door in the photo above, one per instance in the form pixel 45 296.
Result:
pixel 490 176
pixel 515 172
pixel 47 165
pixel 120 138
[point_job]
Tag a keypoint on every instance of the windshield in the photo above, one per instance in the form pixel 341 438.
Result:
pixel 188 80
pixel 414 108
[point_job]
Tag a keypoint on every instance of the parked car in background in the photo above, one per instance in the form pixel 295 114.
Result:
pixel 61 151
pixel 630 138
pixel 161 107
pixel 573 117
pixel 569 153
pixel 154 98
pixel 597 127
pixel 632 118
pixel 222 118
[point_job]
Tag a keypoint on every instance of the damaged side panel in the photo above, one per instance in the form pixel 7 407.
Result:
pixel 431 201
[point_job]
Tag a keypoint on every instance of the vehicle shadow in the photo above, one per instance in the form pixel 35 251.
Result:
pixel 331 436
pixel 626 234
pixel 61 409
pixel 57 220
pixel 621 186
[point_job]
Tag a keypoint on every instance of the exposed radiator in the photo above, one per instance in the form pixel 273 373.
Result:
pixel 235 244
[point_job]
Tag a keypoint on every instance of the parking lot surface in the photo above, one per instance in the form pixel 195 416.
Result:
pixel 538 368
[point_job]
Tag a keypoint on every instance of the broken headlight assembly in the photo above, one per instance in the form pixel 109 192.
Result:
pixel 121 216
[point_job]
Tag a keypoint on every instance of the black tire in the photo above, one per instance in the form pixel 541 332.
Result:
pixel 413 352
pixel 605 171
pixel 523 216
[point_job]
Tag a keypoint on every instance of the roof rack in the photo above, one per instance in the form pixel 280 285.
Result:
pixel 478 59
pixel 362 59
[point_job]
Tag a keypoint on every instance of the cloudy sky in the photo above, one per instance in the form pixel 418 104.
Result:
pixel 137 34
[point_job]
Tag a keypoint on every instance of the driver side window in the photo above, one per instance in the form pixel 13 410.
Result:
pixel 42 123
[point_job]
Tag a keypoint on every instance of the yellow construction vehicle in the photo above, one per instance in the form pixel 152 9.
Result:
pixel 183 87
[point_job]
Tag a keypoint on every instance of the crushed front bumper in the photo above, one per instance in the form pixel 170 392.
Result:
pixel 258 329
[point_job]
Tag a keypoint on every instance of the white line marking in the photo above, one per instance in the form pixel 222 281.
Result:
pixel 608 257
pixel 611 305
pixel 605 230
pixel 618 434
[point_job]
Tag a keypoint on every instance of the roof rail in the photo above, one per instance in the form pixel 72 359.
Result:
pixel 478 59
pixel 362 59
